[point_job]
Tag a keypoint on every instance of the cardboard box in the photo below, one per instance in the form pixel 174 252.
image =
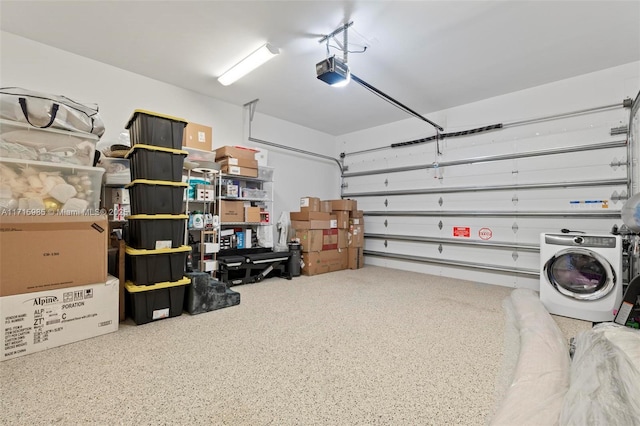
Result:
pixel 357 213
pixel 356 221
pixel 309 215
pixel 120 196
pixel 318 239
pixel 343 240
pixel 242 162
pixel 235 152
pixel 342 218
pixel 120 212
pixel 325 206
pixel 321 262
pixel 345 205
pixel 356 236
pixel 52 251
pixel 46 319
pixel 239 171
pixel 311 204
pixel 252 214
pixel 198 136
pixel 231 211
pixel 310 224
pixel 356 257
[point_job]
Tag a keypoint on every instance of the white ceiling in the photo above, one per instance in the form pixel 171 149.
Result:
pixel 429 55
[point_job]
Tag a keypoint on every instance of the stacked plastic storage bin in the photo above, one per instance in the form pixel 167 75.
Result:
pixel 155 253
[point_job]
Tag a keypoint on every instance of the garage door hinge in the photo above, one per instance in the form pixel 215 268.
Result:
pixel 345 184
pixel 440 201
pixel 514 200
pixel 514 227
pixel 514 255
pixel 386 182
pixel 440 225
pixel 386 223
pixel 615 163
pixel 386 244
pixel 386 202
pixel 440 248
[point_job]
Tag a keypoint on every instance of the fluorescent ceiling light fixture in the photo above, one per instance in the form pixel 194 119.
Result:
pixel 248 64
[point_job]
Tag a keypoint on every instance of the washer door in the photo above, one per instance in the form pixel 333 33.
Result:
pixel 580 274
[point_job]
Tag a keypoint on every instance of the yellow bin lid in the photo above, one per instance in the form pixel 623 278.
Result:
pixel 141 252
pixel 132 288
pixel 155 148
pixel 153 114
pixel 156 182
pixel 159 216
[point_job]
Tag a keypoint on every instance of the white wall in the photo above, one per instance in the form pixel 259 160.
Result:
pixel 32 65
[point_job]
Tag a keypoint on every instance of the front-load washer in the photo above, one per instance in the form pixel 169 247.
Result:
pixel 581 275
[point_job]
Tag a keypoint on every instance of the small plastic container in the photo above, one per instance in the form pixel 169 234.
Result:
pixel 38 187
pixel 156 196
pixel 116 170
pixel 148 267
pixel 152 128
pixel 265 173
pixel 202 158
pixel 22 141
pixel 145 304
pixel 153 232
pixel 156 163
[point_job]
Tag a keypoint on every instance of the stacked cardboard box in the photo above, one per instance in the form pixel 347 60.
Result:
pixel 237 161
pixel 330 241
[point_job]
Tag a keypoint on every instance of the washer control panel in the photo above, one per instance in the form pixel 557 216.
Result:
pixel 593 241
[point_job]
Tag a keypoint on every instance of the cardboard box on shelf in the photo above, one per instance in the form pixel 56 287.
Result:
pixel 356 236
pixel 333 221
pixel 252 214
pixel 198 136
pixel 309 215
pixel 345 205
pixel 311 204
pixel 310 224
pixel 242 162
pixel 33 322
pixel 52 251
pixel 321 262
pixel 120 212
pixel 235 152
pixel 357 213
pixel 120 196
pixel 356 257
pixel 231 211
pixel 239 171
pixel 318 239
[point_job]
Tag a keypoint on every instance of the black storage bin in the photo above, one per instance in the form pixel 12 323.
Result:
pixel 150 303
pixel 156 196
pixel 148 267
pixel 151 128
pixel 156 163
pixel 152 232
pixel 206 294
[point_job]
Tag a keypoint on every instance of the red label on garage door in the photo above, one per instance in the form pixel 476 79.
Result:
pixel 461 231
